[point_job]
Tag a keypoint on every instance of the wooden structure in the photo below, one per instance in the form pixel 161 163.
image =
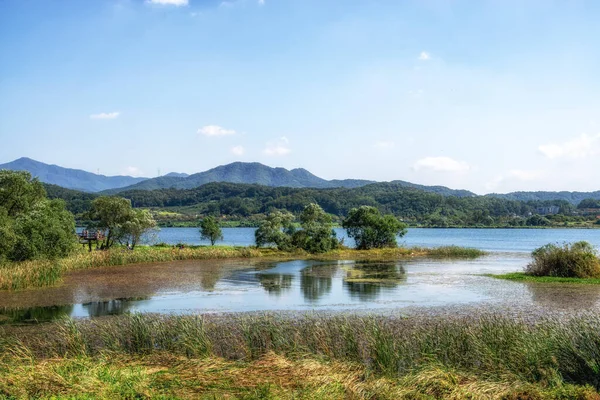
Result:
pixel 88 236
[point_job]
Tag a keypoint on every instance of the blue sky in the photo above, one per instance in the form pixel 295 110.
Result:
pixel 487 95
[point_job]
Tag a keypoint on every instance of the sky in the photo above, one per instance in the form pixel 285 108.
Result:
pixel 490 96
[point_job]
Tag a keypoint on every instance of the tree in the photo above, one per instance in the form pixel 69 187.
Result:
pixel 370 229
pixel 31 226
pixel 139 223
pixel 537 220
pixel 19 192
pixel 277 228
pixel 317 234
pixel 111 214
pixel 210 230
pixel 589 203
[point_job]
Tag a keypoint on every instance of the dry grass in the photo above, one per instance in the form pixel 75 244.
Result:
pixel 272 376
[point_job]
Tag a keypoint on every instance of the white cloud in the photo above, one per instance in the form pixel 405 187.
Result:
pixel 580 147
pixel 261 2
pixel 177 3
pixel 238 150
pixel 384 144
pixel 110 115
pixel 279 147
pixel 424 56
pixel 441 164
pixel 215 130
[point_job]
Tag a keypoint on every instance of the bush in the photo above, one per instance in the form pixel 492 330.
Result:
pixel 576 260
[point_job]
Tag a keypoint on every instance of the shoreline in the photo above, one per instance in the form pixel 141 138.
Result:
pixel 47 273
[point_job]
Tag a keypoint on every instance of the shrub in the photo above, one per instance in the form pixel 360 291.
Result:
pixel 576 260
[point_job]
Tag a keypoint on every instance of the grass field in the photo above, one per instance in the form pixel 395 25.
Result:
pixel 309 357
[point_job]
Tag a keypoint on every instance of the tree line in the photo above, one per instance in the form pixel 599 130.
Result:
pixel 253 202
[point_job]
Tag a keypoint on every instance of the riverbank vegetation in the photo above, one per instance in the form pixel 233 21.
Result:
pixel 560 263
pixel 43 273
pixel 331 357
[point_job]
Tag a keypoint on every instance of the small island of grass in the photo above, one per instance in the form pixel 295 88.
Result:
pixel 567 263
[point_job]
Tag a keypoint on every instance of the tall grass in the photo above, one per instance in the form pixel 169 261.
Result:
pixel 576 260
pixel 550 351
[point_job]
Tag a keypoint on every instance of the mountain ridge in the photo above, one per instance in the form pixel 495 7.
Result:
pixel 247 173
pixel 70 178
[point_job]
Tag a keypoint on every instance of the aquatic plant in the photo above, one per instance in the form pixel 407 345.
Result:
pixel 485 355
pixel 569 260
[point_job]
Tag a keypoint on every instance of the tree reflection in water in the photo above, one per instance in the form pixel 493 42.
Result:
pixel 316 281
pixel 276 284
pixel 111 307
pixel 34 314
pixel 366 279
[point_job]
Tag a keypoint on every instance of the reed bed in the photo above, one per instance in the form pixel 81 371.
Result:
pixel 485 356
pixel 43 273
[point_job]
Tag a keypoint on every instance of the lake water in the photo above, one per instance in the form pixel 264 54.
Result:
pixel 511 240
pixel 304 285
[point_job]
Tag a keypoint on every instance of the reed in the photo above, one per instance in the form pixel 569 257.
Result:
pixel 484 356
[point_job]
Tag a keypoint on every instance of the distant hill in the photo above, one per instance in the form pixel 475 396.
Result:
pixel 177 175
pixel 249 173
pixel 572 197
pixel 256 173
pixel 70 178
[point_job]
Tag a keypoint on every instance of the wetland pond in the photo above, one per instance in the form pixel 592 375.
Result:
pixel 216 286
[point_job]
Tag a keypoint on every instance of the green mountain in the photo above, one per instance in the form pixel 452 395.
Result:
pixel 256 173
pixel 70 178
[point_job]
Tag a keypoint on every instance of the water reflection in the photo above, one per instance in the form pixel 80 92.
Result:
pixel 111 307
pixel 316 281
pixel 276 284
pixel 366 280
pixel 34 314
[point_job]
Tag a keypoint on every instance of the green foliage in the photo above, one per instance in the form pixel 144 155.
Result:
pixel 537 220
pixel 589 203
pixel 576 260
pixel 31 226
pixel 139 222
pixel 316 235
pixel 277 229
pixel 47 231
pixel 210 230
pixel 19 192
pixel 370 229
pixel 122 223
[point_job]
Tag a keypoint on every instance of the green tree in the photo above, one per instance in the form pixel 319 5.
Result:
pixel 46 231
pixel 277 228
pixel 537 220
pixel 31 226
pixel 589 203
pixel 210 230
pixel 370 229
pixel 317 234
pixel 139 223
pixel 111 214
pixel 19 192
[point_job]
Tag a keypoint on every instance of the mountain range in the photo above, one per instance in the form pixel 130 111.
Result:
pixel 70 178
pixel 241 172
